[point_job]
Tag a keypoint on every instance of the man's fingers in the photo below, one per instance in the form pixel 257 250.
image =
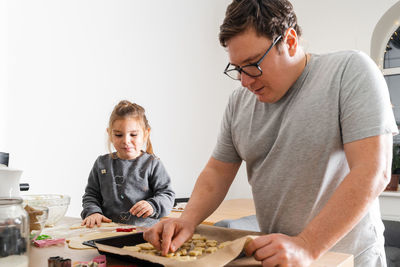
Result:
pixel 256 243
pixel 152 235
pixel 179 239
pixel 272 260
pixel 167 234
pixel 250 248
pixel 265 253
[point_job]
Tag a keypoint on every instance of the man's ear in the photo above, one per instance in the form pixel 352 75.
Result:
pixel 291 41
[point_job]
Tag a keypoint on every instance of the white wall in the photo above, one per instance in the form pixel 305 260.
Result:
pixel 69 62
pixel 3 72
pixel 331 25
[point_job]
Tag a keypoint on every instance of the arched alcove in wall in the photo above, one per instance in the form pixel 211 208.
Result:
pixel 385 51
pixel 384 29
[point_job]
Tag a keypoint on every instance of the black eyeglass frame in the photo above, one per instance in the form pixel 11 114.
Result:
pixel 256 64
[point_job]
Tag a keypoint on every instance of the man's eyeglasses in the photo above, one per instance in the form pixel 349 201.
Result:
pixel 252 70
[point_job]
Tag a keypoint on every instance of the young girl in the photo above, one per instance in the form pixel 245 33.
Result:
pixel 127 186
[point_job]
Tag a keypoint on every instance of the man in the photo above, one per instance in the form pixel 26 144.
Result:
pixel 315 132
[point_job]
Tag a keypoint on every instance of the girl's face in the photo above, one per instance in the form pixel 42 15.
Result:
pixel 128 138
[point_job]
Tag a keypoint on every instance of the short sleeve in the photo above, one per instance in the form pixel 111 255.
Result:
pixel 225 149
pixel 365 108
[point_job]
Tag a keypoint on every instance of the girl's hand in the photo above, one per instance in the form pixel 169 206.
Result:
pixel 95 218
pixel 142 209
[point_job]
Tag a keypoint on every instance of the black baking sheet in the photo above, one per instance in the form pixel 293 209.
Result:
pixel 120 241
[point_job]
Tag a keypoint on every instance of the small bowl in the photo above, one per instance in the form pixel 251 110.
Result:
pixel 57 205
pixel 37 219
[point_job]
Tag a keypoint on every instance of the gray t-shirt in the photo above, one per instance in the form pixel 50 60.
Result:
pixel 293 148
pixel 115 185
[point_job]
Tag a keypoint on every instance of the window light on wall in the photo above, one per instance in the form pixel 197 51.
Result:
pixel 392 51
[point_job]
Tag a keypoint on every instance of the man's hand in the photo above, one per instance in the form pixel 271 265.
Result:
pixel 95 218
pixel 142 208
pixel 169 234
pixel 280 250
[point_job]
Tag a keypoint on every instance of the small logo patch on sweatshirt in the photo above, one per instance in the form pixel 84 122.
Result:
pixel 103 171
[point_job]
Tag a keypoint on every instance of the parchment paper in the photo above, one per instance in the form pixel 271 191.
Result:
pixel 219 258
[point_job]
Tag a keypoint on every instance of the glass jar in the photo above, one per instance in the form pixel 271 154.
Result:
pixel 14 233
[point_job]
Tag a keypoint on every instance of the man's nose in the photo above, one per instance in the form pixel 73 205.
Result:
pixel 246 80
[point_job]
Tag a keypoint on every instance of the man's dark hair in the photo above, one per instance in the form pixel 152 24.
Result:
pixel 269 18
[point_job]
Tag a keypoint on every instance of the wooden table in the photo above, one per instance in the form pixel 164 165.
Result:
pixel 229 209
pixel 38 256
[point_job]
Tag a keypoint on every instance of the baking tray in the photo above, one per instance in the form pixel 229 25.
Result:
pixel 120 241
pixel 218 233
